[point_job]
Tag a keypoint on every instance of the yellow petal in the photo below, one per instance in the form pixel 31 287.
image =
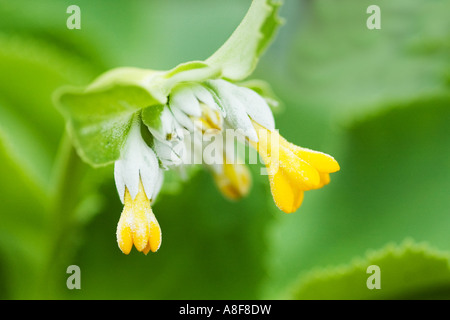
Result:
pixel 292 169
pixel 123 234
pixel 140 231
pixel 276 151
pixel 267 140
pixel 124 237
pixel 299 171
pixel 211 117
pixel 155 236
pixel 234 181
pixel 324 178
pixel 139 228
pixel 138 225
pixel 321 161
pixel 287 195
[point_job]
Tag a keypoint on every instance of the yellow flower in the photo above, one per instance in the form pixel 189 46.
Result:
pixel 138 180
pixel 233 180
pixel 138 225
pixel 291 169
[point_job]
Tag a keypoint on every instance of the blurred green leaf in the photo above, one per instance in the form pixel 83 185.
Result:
pixel 331 64
pixel 99 121
pixel 393 184
pixel 239 55
pixel 409 271
pixel 19 141
pixel 24 228
pixel 30 70
pixel 30 130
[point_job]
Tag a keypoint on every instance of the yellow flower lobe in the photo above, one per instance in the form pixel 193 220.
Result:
pixel 292 169
pixel 137 224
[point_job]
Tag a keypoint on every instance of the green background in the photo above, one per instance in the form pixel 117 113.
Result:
pixel 377 100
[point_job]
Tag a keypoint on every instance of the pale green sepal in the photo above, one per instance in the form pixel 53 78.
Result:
pixel 99 120
pixel 239 55
pixel 192 71
pixel 129 76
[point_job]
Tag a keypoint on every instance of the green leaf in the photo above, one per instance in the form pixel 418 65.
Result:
pixel 337 66
pixel 31 68
pixel 239 55
pixel 409 271
pixel 152 116
pixel 20 143
pixel 99 120
pixel 24 231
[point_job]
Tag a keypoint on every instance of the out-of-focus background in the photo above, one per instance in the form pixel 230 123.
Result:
pixel 377 100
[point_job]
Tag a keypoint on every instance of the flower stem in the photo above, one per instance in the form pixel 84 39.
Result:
pixel 65 192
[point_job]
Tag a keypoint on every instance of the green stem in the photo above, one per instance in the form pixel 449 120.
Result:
pixel 66 178
pixel 65 194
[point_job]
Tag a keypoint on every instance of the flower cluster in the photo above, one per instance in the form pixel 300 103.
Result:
pixel 192 110
pixel 147 122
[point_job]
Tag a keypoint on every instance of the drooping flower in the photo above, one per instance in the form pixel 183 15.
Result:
pixel 138 181
pixel 291 169
pixel 233 179
pixel 137 224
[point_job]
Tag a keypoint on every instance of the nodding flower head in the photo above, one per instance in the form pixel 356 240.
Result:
pixel 197 112
pixel 147 122
pixel 138 181
pixel 219 104
pixel 292 169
